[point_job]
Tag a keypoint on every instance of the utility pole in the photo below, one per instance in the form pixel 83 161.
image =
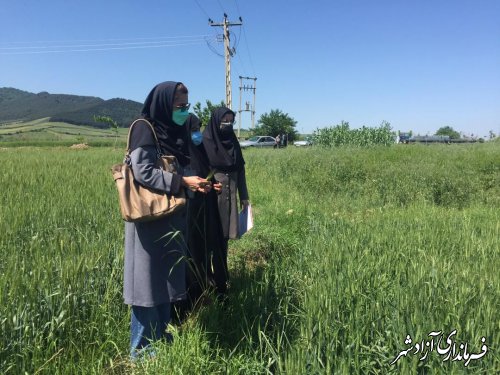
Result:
pixel 247 104
pixel 228 53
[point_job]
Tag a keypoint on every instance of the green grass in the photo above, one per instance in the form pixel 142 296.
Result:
pixel 353 249
pixel 41 132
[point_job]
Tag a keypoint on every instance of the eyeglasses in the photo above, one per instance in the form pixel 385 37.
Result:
pixel 223 124
pixel 183 107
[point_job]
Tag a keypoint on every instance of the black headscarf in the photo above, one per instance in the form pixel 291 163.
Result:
pixel 223 150
pixel 158 109
pixel 197 154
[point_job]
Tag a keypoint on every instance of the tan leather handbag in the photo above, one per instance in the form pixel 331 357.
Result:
pixel 139 203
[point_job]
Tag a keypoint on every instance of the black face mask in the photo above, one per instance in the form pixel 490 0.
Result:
pixel 226 128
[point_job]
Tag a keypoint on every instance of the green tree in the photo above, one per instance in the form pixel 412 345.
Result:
pixel 448 130
pixel 112 124
pixel 274 123
pixel 205 112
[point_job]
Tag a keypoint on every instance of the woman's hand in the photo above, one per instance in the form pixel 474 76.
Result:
pixel 195 183
pixel 217 187
pixel 244 203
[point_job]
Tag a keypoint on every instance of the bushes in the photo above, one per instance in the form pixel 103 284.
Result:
pixel 341 135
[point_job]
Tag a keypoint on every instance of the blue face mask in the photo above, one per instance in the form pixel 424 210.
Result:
pixel 196 137
pixel 179 116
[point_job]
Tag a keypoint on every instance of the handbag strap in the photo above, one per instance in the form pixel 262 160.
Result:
pixel 158 149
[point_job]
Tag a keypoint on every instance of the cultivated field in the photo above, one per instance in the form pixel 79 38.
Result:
pixel 43 132
pixel 353 250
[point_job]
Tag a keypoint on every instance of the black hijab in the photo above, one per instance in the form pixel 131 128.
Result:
pixel 197 154
pixel 158 109
pixel 223 150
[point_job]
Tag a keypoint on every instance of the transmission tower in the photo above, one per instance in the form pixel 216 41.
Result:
pixel 228 53
pixel 247 104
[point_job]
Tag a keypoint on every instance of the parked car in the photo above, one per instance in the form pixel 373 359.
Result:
pixel 403 138
pixel 258 141
pixel 305 142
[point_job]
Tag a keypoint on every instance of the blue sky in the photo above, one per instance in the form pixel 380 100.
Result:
pixel 418 64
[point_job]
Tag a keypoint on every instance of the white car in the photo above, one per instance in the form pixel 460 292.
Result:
pixel 258 141
pixel 305 142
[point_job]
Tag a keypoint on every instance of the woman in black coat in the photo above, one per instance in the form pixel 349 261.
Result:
pixel 225 157
pixel 154 272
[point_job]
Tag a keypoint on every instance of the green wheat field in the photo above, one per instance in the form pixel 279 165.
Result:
pixel 353 249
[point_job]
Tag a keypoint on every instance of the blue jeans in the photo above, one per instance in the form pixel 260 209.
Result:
pixel 148 324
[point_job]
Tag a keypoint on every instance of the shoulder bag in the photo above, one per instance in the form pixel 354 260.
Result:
pixel 139 203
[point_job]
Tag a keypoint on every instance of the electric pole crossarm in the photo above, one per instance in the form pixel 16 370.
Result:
pixel 225 24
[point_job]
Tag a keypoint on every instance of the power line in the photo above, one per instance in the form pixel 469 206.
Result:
pixel 106 40
pixel 248 49
pixel 202 9
pixel 237 42
pixel 241 61
pixel 237 8
pixel 102 44
pixel 212 48
pixel 223 10
pixel 219 38
pixel 244 37
pixel 210 41
pixel 101 49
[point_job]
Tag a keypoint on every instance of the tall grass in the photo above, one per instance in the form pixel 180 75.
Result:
pixel 353 249
pixel 392 242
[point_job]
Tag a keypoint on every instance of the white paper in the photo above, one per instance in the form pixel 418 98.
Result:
pixel 245 220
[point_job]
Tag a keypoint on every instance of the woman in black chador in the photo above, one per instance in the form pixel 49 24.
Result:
pixel 225 157
pixel 205 238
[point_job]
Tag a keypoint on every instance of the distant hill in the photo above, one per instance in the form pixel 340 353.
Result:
pixel 18 105
pixel 123 111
